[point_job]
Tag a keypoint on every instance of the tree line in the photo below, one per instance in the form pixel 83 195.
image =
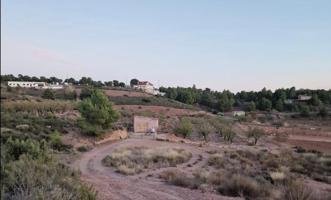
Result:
pixel 82 81
pixel 264 100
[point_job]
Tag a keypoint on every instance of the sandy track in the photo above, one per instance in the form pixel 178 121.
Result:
pixel 144 186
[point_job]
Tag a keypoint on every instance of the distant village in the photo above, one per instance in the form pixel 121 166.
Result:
pixel 144 86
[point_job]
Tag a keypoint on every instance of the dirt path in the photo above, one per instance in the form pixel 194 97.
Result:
pixel 144 186
pixel 319 143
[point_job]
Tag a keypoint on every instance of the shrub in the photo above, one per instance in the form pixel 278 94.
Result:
pixel 239 185
pixel 178 178
pixel 48 94
pixel 216 160
pixel 296 190
pixel 42 179
pixel 184 128
pixel 55 141
pixel 204 129
pixel 228 135
pixel 256 134
pixel 82 149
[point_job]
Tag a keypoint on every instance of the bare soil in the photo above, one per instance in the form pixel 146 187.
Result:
pixel 147 185
pixel 144 186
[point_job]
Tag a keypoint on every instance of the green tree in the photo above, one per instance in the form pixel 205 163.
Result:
pixel 121 84
pixel 184 128
pixel 251 106
pixel 109 83
pixel 97 113
pixel 225 103
pixel 304 111
pixel 133 82
pixel 265 104
pixel 48 94
pixel 116 83
pixel 279 105
pixel 315 100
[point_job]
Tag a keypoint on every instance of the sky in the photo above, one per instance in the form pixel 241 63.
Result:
pixel 219 44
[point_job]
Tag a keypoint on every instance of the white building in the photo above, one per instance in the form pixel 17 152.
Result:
pixel 26 84
pixel 38 85
pixel 304 97
pixel 238 113
pixel 145 86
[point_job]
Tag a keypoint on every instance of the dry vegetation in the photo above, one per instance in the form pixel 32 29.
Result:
pixel 257 174
pixel 134 160
pixel 37 106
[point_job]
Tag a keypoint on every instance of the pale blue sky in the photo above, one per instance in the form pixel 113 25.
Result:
pixel 236 45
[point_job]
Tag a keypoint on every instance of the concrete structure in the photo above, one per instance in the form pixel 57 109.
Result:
pixel 38 85
pixel 238 113
pixel 26 84
pixel 143 124
pixel 304 97
pixel 145 86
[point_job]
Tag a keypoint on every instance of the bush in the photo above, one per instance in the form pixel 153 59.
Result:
pixel 30 171
pixel 228 135
pixel 296 190
pixel 184 128
pixel 55 140
pixel 240 186
pixel 204 129
pixel 178 178
pixel 42 179
pixel 48 94
pixel 216 160
pixel 82 149
pixel 97 112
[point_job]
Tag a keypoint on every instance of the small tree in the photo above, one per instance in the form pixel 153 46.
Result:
pixel 134 82
pixel 228 135
pixel 255 133
pixel 184 128
pixel 97 113
pixel 48 94
pixel 121 84
pixel 204 129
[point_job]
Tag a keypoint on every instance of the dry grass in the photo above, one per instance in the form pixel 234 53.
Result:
pixel 134 160
pixel 179 178
pixel 296 190
pixel 37 106
pixel 239 185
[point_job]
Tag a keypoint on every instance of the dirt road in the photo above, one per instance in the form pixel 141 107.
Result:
pixel 144 186
pixel 319 143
